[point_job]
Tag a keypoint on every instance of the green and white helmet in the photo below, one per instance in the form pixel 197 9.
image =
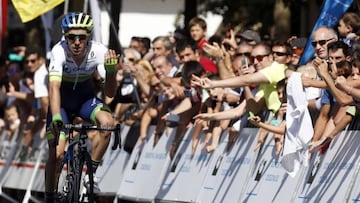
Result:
pixel 77 20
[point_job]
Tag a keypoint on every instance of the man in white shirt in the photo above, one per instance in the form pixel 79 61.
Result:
pixel 35 63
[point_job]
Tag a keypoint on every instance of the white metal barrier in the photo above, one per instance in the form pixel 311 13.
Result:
pixel 238 175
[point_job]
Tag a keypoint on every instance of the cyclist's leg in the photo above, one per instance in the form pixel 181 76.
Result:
pixel 52 163
pixel 95 111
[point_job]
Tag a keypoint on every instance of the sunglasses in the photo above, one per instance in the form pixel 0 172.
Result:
pixel 320 42
pixel 279 53
pixel 73 37
pixel 30 61
pixel 247 54
pixel 259 58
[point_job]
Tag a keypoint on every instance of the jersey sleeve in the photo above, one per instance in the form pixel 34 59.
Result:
pixel 57 61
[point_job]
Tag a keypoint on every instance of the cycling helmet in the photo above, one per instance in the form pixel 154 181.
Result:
pixel 77 20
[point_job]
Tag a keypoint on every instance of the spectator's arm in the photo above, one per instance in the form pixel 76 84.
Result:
pixel 341 97
pixel 222 59
pixel 19 95
pixel 274 129
pixel 309 82
pixel 184 105
pixel 348 87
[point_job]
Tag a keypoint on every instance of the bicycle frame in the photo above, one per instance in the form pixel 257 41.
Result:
pixel 76 155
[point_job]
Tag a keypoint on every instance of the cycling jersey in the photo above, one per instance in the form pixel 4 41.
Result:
pixel 78 96
pixel 63 67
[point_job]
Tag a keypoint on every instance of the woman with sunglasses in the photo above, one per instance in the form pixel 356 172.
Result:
pixel 74 61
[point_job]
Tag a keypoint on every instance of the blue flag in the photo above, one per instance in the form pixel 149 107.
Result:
pixel 330 15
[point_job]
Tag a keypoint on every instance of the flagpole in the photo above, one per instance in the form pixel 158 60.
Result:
pixel 85 7
pixel 66 6
pixel 112 25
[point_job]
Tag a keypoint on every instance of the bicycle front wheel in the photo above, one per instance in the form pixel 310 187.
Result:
pixel 75 168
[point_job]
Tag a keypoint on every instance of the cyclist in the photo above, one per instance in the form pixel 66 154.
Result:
pixel 73 63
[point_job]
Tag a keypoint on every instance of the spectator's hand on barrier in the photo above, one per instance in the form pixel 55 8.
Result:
pixel 111 61
pixel 201 82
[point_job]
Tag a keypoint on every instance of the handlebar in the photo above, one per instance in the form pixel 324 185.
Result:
pixel 83 128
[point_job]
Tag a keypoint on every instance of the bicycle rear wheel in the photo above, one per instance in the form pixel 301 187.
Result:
pixel 78 170
pixel 90 187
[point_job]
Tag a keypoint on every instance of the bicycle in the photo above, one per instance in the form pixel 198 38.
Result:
pixel 77 155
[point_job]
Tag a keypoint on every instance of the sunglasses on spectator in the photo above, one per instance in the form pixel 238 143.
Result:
pixel 321 42
pixel 247 54
pixel 73 37
pixel 30 61
pixel 259 58
pixel 279 53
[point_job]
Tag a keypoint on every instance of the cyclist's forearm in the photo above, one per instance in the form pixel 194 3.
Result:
pixel 55 97
pixel 110 85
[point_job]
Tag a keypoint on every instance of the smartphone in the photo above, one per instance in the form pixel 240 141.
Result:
pixel 244 63
pixel 251 114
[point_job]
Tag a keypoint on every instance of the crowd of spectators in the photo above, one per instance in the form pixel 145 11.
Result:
pixel 187 81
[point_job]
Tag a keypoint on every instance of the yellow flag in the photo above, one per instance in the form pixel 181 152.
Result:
pixel 30 9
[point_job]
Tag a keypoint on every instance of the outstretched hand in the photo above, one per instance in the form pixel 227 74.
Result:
pixel 201 82
pixel 202 117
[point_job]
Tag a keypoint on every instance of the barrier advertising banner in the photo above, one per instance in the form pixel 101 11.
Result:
pixel 332 173
pixel 269 182
pixel 111 170
pixel 186 173
pixel 146 168
pixel 224 180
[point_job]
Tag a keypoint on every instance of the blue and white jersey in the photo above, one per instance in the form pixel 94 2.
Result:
pixel 63 67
